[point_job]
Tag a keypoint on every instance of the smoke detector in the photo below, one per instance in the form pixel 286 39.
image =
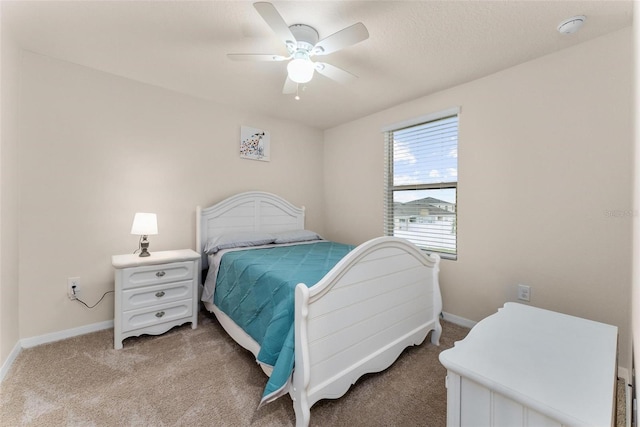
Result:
pixel 571 25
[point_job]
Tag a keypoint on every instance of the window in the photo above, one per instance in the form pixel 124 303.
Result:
pixel 421 182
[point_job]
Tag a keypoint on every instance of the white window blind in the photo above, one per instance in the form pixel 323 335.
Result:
pixel 421 180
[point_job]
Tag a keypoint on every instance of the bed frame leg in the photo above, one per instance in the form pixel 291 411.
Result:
pixel 303 412
pixel 435 335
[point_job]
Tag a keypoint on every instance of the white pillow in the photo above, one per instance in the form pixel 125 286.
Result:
pixel 238 240
pixel 292 236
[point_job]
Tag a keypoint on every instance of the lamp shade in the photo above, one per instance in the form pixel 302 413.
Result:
pixel 300 70
pixel 144 224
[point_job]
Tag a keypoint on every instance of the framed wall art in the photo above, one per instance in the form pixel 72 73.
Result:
pixel 254 143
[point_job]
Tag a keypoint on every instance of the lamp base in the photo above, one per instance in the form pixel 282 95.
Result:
pixel 144 247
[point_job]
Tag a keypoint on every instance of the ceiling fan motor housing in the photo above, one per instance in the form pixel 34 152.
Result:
pixel 306 37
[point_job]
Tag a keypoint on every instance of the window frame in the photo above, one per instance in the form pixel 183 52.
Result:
pixel 390 188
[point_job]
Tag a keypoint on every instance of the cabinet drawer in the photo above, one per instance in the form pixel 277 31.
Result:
pixel 149 316
pixel 156 294
pixel 156 274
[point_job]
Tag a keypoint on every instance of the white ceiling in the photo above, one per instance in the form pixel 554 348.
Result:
pixel 415 48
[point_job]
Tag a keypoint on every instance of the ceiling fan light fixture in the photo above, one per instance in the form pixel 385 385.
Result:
pixel 300 70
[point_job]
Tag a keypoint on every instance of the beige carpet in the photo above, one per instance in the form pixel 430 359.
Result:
pixel 202 378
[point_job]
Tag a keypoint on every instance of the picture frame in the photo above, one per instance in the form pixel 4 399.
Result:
pixel 255 144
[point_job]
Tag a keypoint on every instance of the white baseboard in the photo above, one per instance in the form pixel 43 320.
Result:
pixel 48 338
pixel 7 363
pixel 67 333
pixel 457 320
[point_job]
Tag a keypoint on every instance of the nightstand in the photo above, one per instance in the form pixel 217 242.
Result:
pixel 155 293
pixel 526 366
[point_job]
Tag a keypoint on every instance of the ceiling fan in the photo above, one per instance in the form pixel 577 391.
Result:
pixel 302 44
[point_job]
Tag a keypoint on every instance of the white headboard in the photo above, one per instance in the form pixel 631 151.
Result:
pixel 250 211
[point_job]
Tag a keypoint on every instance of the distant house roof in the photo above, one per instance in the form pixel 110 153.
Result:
pixel 423 207
pixel 429 201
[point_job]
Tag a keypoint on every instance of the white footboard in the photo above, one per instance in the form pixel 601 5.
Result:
pixel 381 298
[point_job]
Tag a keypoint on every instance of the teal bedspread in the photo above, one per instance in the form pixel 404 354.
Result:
pixel 256 289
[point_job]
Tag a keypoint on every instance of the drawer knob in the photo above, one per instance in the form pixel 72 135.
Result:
pixel 160 314
pixel 160 294
pixel 160 273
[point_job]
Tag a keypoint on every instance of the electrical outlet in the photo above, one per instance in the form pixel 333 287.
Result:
pixel 524 292
pixel 73 287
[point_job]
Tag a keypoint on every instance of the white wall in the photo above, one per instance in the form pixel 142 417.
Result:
pixel 96 148
pixel 545 174
pixel 9 333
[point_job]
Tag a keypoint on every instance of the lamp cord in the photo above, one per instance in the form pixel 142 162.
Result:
pixel 139 245
pixel 101 298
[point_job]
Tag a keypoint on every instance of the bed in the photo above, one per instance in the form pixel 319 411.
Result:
pixel 375 300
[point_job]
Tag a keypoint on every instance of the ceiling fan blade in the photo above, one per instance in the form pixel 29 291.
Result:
pixel 256 57
pixel 335 73
pixel 343 38
pixel 289 87
pixel 273 18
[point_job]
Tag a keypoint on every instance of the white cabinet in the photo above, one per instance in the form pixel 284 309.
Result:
pixel 155 293
pixel 525 366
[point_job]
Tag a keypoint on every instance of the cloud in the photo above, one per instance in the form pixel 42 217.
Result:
pixel 403 180
pixel 402 152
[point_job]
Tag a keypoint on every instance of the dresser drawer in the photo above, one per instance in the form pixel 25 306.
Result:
pixel 149 316
pixel 157 294
pixel 156 274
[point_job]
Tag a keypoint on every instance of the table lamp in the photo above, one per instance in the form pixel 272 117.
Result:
pixel 144 224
